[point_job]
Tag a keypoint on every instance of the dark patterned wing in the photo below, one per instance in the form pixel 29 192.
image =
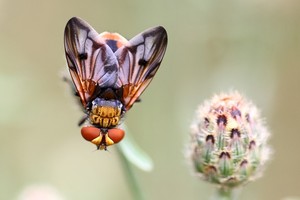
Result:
pixel 139 59
pixel 92 64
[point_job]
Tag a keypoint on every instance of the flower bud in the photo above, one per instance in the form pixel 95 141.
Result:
pixel 228 144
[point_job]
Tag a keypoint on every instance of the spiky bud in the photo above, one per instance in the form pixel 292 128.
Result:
pixel 228 143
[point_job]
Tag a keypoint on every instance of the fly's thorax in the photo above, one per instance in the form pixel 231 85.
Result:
pixel 106 113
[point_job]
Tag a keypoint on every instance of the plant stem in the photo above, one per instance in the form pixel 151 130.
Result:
pixel 130 176
pixel 225 193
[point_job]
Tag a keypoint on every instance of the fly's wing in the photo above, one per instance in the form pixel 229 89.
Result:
pixel 92 64
pixel 139 59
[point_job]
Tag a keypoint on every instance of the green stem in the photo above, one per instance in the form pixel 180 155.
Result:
pixel 130 176
pixel 225 193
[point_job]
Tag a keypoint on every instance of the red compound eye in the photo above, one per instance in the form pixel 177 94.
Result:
pixel 116 135
pixel 89 133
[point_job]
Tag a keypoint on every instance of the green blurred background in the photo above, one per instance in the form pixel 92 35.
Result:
pixel 251 46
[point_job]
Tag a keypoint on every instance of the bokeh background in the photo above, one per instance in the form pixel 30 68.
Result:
pixel 251 46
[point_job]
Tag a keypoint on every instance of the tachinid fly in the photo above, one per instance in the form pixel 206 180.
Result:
pixel 109 74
